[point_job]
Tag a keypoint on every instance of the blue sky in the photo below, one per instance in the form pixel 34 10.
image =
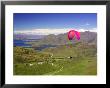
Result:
pixel 53 21
pixel 31 21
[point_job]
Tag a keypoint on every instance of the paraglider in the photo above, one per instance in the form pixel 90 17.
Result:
pixel 73 34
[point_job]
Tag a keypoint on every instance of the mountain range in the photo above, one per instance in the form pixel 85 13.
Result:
pixel 60 39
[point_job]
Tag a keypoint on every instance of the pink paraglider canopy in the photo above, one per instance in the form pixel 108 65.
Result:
pixel 73 33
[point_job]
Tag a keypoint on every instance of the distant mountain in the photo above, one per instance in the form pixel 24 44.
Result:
pixel 62 39
pixel 89 37
pixel 27 36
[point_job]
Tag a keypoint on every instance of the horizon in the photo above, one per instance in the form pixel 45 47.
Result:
pixel 50 31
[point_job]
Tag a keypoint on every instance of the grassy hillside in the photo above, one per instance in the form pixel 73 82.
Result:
pixel 72 59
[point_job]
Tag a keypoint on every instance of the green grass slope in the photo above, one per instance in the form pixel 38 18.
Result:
pixel 56 61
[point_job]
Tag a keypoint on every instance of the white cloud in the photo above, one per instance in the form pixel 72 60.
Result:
pixel 50 31
pixel 43 31
pixel 91 30
pixel 87 24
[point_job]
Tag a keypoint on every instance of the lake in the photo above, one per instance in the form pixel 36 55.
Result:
pixel 24 43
